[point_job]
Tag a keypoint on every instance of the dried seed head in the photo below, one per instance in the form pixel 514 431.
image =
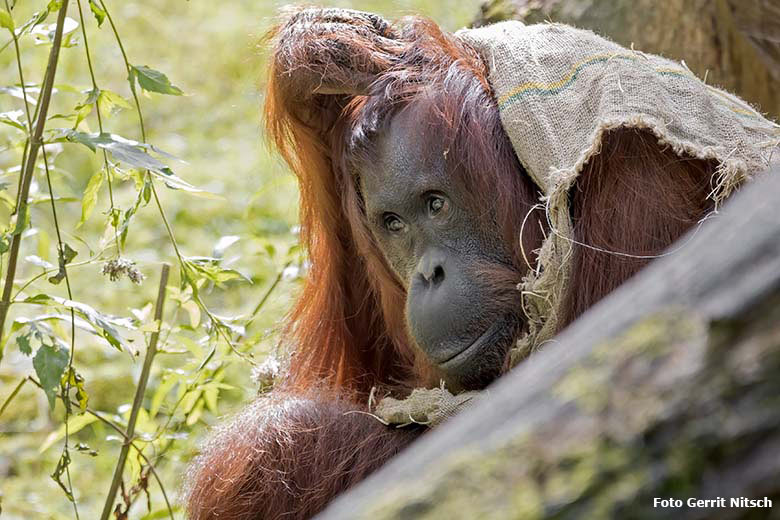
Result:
pixel 266 373
pixel 119 267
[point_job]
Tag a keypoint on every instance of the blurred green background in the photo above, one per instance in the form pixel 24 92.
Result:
pixel 210 50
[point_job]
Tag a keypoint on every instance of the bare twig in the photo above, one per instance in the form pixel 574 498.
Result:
pixel 139 396
pixel 267 295
pixel 12 395
pixel 127 439
pixel 29 166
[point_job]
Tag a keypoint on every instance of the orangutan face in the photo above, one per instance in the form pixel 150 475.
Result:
pixel 447 253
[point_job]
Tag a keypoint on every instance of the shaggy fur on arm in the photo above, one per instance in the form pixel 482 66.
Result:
pixel 287 457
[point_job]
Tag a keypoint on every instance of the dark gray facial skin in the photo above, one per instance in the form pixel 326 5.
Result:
pixel 442 250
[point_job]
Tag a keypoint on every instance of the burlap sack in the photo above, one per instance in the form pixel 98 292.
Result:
pixel 558 90
pixel 428 406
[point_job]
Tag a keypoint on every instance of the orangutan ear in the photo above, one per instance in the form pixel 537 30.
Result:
pixel 331 52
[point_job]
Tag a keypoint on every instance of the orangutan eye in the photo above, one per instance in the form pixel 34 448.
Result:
pixel 436 203
pixel 393 223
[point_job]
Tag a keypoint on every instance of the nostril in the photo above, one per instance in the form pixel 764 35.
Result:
pixel 430 270
pixel 438 275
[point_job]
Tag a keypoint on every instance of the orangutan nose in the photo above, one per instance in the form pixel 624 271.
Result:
pixel 431 270
pixel 439 306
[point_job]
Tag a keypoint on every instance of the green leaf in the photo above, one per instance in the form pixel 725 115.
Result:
pixel 134 154
pixel 5 242
pixel 75 380
pixel 98 320
pixel 23 341
pixel 68 254
pixel 6 20
pixel 210 269
pixel 36 19
pixel 38 323
pixel 65 257
pixel 84 108
pixel 81 114
pixel 14 119
pixel 49 363
pixel 39 299
pixel 153 81
pixel 114 216
pixel 125 227
pixel 90 197
pixel 147 192
pixel 124 150
pixel 44 34
pixel 21 220
pixel 194 414
pixel 210 395
pixel 76 423
pixel 129 212
pixel 92 97
pixel 100 14
pixel 110 102
pixel 159 395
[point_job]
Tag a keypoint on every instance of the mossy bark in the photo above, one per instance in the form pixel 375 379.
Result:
pixel 670 388
pixel 734 44
pixel 674 407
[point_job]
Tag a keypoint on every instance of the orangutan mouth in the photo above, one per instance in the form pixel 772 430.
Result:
pixel 494 339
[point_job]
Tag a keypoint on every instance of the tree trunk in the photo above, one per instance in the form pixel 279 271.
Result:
pixel 669 388
pixel 734 44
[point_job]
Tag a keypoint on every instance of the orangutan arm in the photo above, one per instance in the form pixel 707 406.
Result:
pixel 324 57
pixel 287 456
pixel 332 51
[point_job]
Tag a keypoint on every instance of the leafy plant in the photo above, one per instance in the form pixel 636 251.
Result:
pixel 131 172
pixel 142 149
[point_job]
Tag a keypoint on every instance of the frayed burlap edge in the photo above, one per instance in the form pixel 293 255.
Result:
pixel 426 406
pixel 544 289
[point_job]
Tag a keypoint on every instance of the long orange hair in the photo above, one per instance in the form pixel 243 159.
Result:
pixel 347 328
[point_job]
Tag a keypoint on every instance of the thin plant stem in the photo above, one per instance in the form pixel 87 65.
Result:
pixel 140 452
pixel 64 267
pixel 267 295
pixel 29 167
pixel 182 262
pixel 20 290
pixel 10 398
pixel 15 41
pixel 151 351
pixel 95 88
pixel 129 68
pixel 61 262
pixel 97 415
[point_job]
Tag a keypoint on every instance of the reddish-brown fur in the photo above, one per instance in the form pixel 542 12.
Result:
pixel 287 455
pixel 633 199
pixel 317 450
